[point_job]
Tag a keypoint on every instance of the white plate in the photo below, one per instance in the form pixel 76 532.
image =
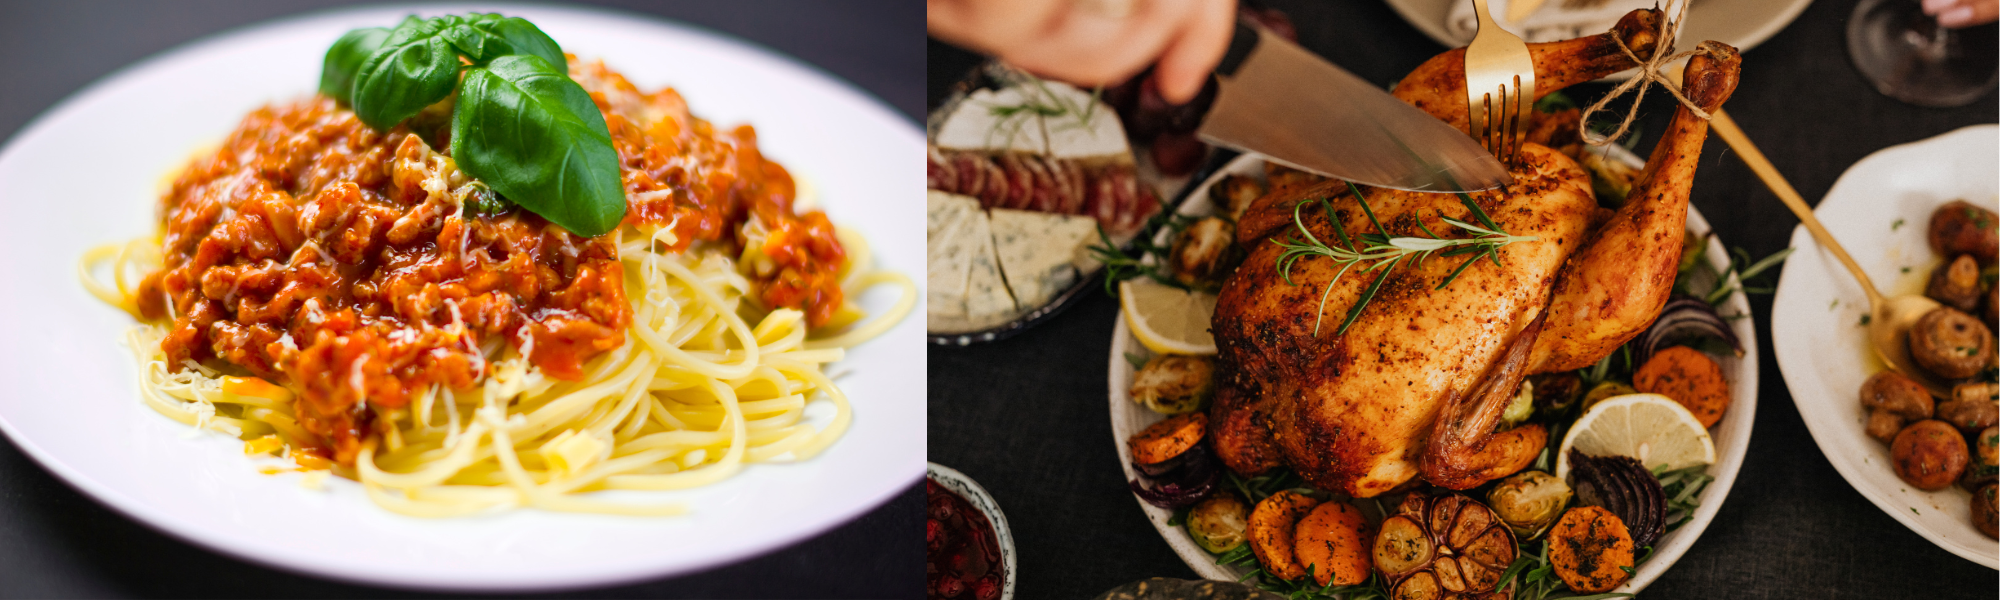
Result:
pixel 1740 23
pixel 1815 319
pixel 1732 435
pixel 85 172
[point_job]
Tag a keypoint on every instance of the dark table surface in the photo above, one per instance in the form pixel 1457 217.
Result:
pixel 1026 416
pixel 56 542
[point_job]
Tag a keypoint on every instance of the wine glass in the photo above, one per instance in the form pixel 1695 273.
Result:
pixel 1910 58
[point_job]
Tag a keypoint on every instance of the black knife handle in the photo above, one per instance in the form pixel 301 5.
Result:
pixel 1240 45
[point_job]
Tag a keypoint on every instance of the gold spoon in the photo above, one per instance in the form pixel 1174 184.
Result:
pixel 1889 318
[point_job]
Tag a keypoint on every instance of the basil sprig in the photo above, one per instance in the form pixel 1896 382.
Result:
pixel 520 124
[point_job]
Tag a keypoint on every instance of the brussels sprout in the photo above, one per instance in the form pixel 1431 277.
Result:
pixel 1604 390
pixel 1174 385
pixel 1521 408
pixel 1218 523
pixel 1529 502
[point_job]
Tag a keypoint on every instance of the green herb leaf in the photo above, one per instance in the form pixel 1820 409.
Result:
pixel 343 60
pixel 523 127
pixel 415 67
pixel 485 37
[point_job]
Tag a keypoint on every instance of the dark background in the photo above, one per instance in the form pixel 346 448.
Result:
pixel 55 542
pixel 1027 418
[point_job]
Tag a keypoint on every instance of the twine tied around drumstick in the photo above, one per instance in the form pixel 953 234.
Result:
pixel 1649 73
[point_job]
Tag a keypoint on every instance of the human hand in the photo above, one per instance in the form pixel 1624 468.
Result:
pixel 1095 42
pixel 1962 13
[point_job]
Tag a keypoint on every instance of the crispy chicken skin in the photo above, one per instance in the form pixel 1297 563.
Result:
pixel 1412 388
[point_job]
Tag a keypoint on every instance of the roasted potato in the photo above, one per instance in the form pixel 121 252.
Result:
pixel 1985 507
pixel 1219 523
pixel 1234 194
pixel 1897 394
pixel 1973 406
pixel 1929 455
pixel 1956 283
pixel 1205 253
pixel 1951 344
pixel 1174 384
pixel 1965 228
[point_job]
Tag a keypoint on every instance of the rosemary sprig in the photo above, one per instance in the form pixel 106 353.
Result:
pixel 1379 252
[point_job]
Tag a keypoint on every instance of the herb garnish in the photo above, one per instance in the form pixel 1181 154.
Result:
pixel 1385 252
pixel 519 124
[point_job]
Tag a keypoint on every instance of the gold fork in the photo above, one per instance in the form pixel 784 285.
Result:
pixel 1499 86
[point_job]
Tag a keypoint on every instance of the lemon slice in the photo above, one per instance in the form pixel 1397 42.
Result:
pixel 1166 319
pixel 1650 427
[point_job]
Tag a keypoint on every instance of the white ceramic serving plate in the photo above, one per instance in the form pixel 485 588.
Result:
pixel 1816 326
pixel 975 495
pixel 86 171
pixel 1732 434
pixel 1740 23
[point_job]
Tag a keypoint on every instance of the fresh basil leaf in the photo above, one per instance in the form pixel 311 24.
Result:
pixel 484 37
pixel 414 68
pixel 525 129
pixel 343 60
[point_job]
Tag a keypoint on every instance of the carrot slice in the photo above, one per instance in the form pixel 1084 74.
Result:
pixel 1168 439
pixel 1271 527
pixel 1330 543
pixel 1588 547
pixel 1690 378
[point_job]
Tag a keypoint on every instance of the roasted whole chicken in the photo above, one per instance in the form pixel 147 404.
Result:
pixel 1416 385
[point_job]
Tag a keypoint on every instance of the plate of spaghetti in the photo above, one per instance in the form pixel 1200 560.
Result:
pixel 443 298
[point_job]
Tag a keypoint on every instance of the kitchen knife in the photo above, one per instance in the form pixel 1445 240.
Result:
pixel 1277 99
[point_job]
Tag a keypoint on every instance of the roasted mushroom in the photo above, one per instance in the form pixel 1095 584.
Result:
pixel 1218 523
pixel 1205 253
pixel 1884 425
pixel 1956 283
pixel 1174 384
pixel 1951 344
pixel 1973 406
pixel 1929 455
pixel 1234 194
pixel 1893 400
pixel 1985 507
pixel 1897 394
pixel 1965 228
pixel 1446 546
pixel 1529 502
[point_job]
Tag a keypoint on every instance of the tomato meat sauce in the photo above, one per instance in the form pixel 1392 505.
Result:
pixel 312 250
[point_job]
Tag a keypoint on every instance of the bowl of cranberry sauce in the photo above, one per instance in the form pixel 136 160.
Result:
pixel 969 555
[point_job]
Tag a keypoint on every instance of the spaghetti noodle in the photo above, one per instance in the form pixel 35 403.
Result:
pixel 492 360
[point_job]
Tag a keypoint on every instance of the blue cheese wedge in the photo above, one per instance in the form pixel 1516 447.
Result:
pixel 1036 251
pixel 943 209
pixel 948 253
pixel 988 301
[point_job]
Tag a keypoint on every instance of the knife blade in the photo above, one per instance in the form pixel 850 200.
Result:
pixel 1277 99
